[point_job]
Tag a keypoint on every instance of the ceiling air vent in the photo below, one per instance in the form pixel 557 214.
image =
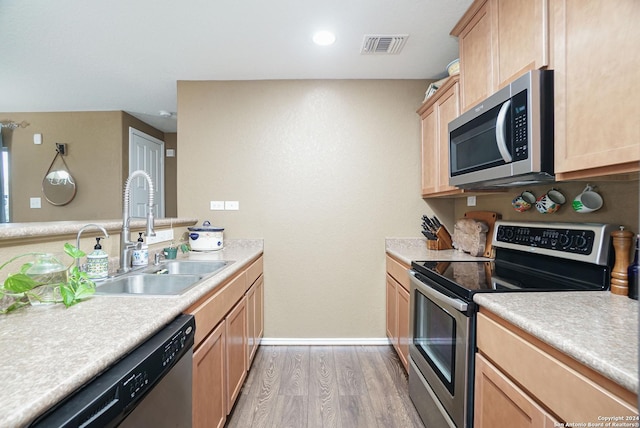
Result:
pixel 383 44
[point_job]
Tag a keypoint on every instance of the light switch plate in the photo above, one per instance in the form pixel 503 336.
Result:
pixel 216 205
pixel 37 138
pixel 231 205
pixel 471 201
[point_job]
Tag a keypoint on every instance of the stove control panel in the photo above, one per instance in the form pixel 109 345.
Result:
pixel 567 240
pixel 587 242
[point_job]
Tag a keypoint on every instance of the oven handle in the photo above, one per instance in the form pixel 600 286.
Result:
pixel 500 132
pixel 436 295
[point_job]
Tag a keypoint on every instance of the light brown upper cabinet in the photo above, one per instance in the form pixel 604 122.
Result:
pixel 435 114
pixel 499 41
pixel 595 61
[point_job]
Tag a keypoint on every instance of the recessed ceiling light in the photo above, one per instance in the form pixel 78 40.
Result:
pixel 324 38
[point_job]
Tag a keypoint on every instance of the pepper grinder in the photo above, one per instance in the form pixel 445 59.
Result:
pixel 622 246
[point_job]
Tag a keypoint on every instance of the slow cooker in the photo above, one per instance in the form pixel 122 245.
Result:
pixel 206 237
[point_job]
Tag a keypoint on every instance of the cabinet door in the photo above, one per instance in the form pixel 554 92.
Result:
pixel 251 324
pixel 430 160
pixel 435 119
pixel 255 318
pixel 448 109
pixel 259 308
pixel 209 386
pixel 520 38
pixel 499 402
pixel 236 345
pixel 595 58
pixel 392 326
pixel 402 299
pixel 476 59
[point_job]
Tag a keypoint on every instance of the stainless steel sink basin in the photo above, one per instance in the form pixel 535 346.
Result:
pixel 187 267
pixel 148 284
pixel 169 278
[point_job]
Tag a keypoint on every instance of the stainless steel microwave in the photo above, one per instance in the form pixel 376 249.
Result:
pixel 507 140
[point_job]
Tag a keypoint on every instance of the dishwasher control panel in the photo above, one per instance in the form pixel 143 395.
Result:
pixel 110 397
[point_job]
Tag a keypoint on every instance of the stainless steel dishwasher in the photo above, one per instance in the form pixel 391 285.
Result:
pixel 149 387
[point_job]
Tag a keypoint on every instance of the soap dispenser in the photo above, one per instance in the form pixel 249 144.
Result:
pixel 140 255
pixel 98 262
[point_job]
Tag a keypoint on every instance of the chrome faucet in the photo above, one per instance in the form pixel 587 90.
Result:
pixel 127 246
pixel 85 227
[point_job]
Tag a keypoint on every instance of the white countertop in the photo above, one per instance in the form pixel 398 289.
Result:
pixel 596 328
pixel 47 352
pixel 408 249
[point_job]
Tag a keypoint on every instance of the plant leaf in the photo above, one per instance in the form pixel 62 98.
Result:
pixel 19 283
pixel 73 251
pixel 68 295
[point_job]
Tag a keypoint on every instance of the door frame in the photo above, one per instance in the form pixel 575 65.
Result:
pixel 159 184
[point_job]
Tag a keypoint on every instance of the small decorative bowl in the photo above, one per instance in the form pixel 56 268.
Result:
pixel 453 67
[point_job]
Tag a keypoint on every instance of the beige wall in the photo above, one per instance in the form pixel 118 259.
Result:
pixel 170 172
pixel 94 159
pixel 97 146
pixel 323 171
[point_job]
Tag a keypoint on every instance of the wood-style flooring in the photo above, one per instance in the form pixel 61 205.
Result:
pixel 325 386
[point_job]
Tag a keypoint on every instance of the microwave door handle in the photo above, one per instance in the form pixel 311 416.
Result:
pixel 500 132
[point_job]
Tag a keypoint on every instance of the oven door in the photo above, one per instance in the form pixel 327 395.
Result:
pixel 439 350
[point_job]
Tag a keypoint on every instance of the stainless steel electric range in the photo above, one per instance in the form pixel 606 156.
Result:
pixel 529 256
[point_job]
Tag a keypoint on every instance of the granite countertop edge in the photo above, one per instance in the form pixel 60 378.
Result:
pixel 33 230
pixel 106 335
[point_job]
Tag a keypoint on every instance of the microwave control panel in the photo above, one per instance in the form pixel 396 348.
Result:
pixel 520 126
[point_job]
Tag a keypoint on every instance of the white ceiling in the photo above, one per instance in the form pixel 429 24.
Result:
pixel 76 55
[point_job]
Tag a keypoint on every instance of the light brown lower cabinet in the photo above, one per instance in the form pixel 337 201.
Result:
pixel 236 344
pixel 522 381
pixel 397 308
pixel 222 356
pixel 499 402
pixel 209 376
pixel 255 318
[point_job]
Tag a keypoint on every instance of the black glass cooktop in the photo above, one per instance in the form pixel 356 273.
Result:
pixel 512 271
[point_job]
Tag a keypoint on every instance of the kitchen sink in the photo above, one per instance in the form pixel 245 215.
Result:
pixel 148 284
pixel 187 267
pixel 170 278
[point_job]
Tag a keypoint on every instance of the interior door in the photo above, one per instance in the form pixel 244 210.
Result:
pixel 146 153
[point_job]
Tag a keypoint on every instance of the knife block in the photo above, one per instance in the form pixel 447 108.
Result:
pixel 442 243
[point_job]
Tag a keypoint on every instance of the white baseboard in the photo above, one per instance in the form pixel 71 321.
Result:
pixel 290 341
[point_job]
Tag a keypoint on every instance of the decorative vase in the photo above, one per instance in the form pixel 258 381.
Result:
pixel 48 271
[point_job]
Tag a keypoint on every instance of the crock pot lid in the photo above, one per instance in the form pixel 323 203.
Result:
pixel 206 227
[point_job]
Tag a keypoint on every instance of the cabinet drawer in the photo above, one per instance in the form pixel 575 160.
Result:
pixel 398 271
pixel 254 271
pixel 566 387
pixel 210 312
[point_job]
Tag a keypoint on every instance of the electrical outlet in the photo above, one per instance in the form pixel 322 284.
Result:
pixel 216 205
pixel 471 201
pixel 161 236
pixel 35 203
pixel 231 205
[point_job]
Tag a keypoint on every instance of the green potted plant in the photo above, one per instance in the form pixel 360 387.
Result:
pixel 19 289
